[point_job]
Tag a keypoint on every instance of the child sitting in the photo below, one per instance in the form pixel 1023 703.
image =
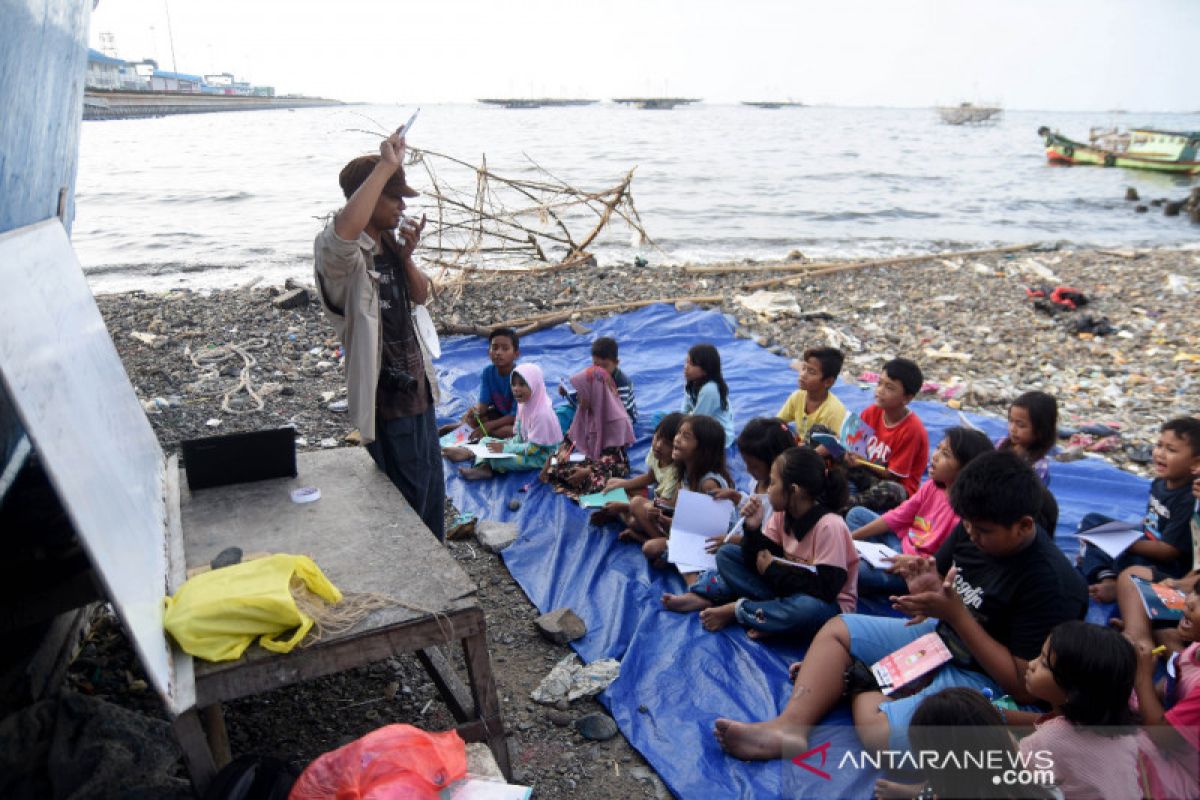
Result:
pixel 1085 674
pixel 496 410
pixel 792 574
pixel 925 519
pixel 763 440
pixel 1032 430
pixel 813 404
pixel 639 515
pixel 698 451
pixel 1172 717
pixel 1166 551
pixel 536 434
pixel 996 589
pixel 705 391
pixel 900 442
pixel 593 450
pixel 604 355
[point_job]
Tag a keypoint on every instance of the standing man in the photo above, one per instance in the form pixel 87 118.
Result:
pixel 369 287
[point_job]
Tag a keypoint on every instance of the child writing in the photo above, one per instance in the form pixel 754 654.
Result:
pixel 495 412
pixel 593 450
pixel 1172 717
pixel 995 590
pixel 1085 674
pixel 639 515
pixel 763 440
pixel 536 433
pixel 813 404
pixel 900 442
pixel 698 451
pixel 704 391
pixel 794 573
pixel 1032 430
pixel 1166 550
pixel 920 524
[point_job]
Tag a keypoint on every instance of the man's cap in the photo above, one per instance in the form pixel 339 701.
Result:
pixel 354 173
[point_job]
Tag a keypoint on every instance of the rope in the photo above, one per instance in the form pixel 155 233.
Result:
pixel 331 619
pixel 207 360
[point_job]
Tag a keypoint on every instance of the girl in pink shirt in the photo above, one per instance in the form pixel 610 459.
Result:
pixel 920 524
pixel 792 574
pixel 1085 673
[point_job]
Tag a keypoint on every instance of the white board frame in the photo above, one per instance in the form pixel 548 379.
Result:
pixel 72 395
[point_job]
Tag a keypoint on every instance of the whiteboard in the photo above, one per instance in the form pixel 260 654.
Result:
pixel 69 388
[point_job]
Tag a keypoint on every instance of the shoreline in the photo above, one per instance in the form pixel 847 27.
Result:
pixel 965 320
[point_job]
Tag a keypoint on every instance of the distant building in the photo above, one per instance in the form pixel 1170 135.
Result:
pixel 163 81
pixel 113 74
pixel 103 72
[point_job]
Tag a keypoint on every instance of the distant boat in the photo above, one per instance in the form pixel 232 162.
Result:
pixel 969 114
pixel 1138 148
pixel 772 104
pixel 534 102
pixel 656 103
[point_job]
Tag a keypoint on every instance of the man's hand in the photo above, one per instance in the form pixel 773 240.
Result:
pixel 410 235
pixel 392 149
pixel 764 560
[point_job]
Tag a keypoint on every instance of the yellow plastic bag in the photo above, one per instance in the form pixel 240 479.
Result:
pixel 216 615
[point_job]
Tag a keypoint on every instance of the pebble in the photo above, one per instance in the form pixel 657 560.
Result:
pixel 597 727
pixel 514 504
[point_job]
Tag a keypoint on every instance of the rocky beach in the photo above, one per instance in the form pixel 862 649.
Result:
pixel 210 362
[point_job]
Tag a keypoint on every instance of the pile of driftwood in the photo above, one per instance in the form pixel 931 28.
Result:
pixel 533 224
pixel 782 274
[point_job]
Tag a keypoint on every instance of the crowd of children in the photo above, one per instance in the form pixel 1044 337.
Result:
pixel 969 558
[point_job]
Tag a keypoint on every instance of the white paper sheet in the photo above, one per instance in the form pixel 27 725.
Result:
pixel 481 451
pixel 697 517
pixel 874 553
pixel 1113 537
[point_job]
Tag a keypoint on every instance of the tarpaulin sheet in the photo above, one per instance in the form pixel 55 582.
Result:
pixel 676 678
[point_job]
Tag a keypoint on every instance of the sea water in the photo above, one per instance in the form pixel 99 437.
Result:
pixel 212 200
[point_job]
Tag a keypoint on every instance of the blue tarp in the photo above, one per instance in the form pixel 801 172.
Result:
pixel 682 676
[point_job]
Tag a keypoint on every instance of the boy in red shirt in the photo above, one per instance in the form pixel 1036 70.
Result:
pixel 900 442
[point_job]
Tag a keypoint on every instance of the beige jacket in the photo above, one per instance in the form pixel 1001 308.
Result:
pixel 349 292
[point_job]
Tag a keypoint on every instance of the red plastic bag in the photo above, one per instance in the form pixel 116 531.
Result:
pixel 396 762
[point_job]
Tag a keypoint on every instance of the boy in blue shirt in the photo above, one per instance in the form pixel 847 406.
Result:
pixel 496 408
pixel 1166 549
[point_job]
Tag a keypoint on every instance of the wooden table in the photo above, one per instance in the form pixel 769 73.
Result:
pixel 365 538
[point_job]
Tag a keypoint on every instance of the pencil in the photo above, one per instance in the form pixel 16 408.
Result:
pixel 1161 650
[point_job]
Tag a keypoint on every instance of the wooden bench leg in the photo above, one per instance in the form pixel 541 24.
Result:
pixel 457 696
pixel 487 701
pixel 218 737
pixel 196 753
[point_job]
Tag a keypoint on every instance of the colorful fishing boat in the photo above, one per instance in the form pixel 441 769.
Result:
pixel 1138 148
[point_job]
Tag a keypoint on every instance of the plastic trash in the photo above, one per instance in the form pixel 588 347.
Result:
pixel 396 761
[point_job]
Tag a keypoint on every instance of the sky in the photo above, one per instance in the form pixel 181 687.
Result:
pixel 1063 55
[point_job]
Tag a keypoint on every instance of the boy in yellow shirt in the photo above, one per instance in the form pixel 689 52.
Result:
pixel 813 404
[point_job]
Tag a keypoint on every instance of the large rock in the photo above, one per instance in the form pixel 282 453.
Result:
pixel 561 625
pixel 495 536
pixel 597 727
pixel 296 298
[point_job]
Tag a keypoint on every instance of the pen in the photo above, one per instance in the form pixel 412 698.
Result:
pixel 482 427
pixel 1161 650
pixel 741 523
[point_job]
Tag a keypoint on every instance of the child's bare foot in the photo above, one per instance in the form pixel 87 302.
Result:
pixel 457 453
pixel 686 602
pixel 1105 591
pixel 715 618
pixel 476 473
pixel 757 635
pixel 756 741
pixel 654 549
pixel 601 517
pixel 893 790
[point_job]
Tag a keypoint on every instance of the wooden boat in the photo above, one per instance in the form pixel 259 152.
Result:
pixel 969 114
pixel 1138 148
pixel 772 104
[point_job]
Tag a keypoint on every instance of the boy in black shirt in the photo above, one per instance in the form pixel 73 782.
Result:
pixel 1166 549
pixel 995 590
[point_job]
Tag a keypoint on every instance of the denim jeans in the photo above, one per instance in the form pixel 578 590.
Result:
pixel 407 449
pixel 870 579
pixel 1094 564
pixel 757 605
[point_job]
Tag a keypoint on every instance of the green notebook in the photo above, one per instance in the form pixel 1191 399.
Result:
pixel 599 499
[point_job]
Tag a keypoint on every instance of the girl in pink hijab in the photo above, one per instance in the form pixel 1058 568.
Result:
pixel 536 432
pixel 596 440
